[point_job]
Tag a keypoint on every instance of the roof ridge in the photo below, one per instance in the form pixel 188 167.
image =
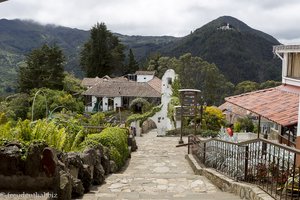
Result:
pixel 252 92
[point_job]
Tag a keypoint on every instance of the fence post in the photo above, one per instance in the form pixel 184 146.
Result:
pixel 189 140
pixel 246 162
pixel 204 152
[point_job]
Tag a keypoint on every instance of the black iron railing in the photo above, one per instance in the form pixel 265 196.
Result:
pixel 273 167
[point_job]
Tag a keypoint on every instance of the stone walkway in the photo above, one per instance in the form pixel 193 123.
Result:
pixel 158 170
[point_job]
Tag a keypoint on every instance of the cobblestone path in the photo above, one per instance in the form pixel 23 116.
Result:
pixel 158 170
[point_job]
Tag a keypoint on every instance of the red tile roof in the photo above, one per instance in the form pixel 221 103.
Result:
pixel 279 104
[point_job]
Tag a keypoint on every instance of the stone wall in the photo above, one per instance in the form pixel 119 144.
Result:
pixel 244 190
pixel 68 175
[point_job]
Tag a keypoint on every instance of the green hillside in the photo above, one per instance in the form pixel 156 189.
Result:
pixel 241 53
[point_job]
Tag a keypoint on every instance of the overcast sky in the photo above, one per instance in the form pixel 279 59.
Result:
pixel 279 18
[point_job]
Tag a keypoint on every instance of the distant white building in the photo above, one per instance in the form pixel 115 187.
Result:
pixel 105 94
pixel 144 76
pixel 227 27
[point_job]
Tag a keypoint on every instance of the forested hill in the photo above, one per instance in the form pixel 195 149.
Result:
pixel 18 38
pixel 241 52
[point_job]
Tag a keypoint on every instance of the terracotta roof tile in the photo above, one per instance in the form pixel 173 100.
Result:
pixel 279 104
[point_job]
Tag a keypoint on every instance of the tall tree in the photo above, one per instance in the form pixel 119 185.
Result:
pixel 195 72
pixel 44 68
pixel 133 65
pixel 103 54
pixel 246 86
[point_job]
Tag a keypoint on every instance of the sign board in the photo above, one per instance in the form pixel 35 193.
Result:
pixel 189 97
pixel 187 112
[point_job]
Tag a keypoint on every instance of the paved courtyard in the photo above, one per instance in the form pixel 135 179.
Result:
pixel 158 170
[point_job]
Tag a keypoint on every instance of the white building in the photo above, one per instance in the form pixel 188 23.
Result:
pixel 144 76
pixel 279 105
pixel 105 94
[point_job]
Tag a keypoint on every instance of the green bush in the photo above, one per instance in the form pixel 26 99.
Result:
pixel 115 139
pixel 116 156
pixel 97 119
pixel 143 117
pixel 26 131
pixel 213 118
pixel 140 102
pixel 171 107
pixel 56 101
pixel 237 127
pixel 246 124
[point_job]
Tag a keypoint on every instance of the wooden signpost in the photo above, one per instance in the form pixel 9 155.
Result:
pixel 189 103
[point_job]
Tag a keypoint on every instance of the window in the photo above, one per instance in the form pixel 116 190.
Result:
pixel 169 81
pixel 293 65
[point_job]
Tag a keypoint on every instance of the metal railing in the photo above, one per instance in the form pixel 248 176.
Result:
pixel 273 167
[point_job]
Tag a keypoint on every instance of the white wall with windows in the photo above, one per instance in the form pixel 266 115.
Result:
pixel 144 78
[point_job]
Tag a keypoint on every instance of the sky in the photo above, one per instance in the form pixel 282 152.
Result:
pixel 279 18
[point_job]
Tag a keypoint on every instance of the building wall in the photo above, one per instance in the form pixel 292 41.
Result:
pixel 105 104
pixel 286 78
pixel 144 78
pixel 89 108
pixel 117 102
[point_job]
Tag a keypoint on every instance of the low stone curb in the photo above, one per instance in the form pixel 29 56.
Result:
pixel 243 190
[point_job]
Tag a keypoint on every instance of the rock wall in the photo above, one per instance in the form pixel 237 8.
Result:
pixel 67 175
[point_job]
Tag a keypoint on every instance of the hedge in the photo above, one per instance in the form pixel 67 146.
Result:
pixel 143 117
pixel 115 139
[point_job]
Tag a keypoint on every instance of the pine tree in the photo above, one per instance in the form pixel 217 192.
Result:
pixel 133 65
pixel 44 68
pixel 102 54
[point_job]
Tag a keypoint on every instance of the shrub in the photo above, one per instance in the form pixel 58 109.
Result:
pixel 97 119
pixel 116 156
pixel 213 118
pixel 143 117
pixel 55 99
pixel 115 139
pixel 246 123
pixel 25 131
pixel 237 127
pixel 171 107
pixel 139 103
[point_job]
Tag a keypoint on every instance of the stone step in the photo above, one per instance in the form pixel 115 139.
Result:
pixel 166 175
pixel 160 196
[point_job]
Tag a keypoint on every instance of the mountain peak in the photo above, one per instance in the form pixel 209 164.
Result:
pixel 235 24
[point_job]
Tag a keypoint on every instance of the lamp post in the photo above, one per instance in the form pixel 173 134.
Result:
pixel 51 112
pixel 33 102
